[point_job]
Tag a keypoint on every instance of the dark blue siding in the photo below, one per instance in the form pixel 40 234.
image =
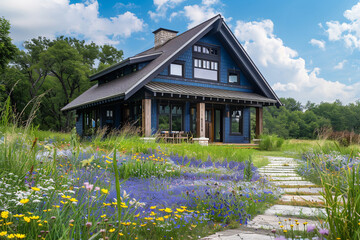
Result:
pixel 153 116
pixel 117 116
pixel 142 65
pixel 79 124
pixel 245 138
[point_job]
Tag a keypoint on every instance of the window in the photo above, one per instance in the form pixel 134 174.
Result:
pixel 205 69
pixel 109 113
pixel 206 50
pixel 233 78
pixel 236 121
pixel 170 117
pixel 176 69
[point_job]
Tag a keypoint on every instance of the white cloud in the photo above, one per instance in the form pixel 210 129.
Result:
pixel 33 18
pixel 318 43
pixel 162 7
pixel 340 65
pixel 348 31
pixel 285 70
pixel 206 10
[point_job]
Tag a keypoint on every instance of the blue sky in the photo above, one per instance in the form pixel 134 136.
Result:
pixel 306 49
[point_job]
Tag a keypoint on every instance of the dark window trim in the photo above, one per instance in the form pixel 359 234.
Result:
pixel 207 55
pixel 233 108
pixel 171 103
pixel 237 72
pixel 183 69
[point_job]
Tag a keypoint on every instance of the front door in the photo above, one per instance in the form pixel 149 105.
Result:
pixel 217 125
pixel 209 126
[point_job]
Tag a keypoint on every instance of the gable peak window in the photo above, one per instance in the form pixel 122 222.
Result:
pixel 205 50
pixel 176 69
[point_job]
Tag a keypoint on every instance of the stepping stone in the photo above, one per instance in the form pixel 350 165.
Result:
pixel 279 174
pixel 287 210
pixel 237 234
pixel 294 183
pixel 272 222
pixel 302 198
pixel 285 178
pixel 277 171
pixel 307 190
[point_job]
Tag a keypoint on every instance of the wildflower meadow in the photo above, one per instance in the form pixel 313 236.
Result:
pixel 58 189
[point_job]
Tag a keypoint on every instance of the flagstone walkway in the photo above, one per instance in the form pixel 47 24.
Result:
pixel 301 201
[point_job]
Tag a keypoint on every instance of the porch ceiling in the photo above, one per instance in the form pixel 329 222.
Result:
pixel 212 93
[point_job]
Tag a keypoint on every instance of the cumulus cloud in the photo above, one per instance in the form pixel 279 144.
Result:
pixel 318 43
pixel 285 71
pixel 340 65
pixel 33 18
pixel 200 13
pixel 348 31
pixel 162 7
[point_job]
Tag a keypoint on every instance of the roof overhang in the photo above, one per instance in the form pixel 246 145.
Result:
pixel 209 94
pixel 126 62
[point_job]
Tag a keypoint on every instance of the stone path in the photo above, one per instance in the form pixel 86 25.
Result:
pixel 301 201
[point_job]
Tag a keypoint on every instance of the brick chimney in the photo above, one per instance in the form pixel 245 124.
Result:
pixel 163 35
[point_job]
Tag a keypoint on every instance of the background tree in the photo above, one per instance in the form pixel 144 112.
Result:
pixel 7 49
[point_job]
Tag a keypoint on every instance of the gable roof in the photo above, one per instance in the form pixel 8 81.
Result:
pixel 125 87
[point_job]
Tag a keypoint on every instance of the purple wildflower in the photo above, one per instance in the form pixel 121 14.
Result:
pixel 324 231
pixel 311 228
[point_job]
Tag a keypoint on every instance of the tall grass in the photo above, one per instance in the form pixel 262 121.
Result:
pixel 270 142
pixel 342 199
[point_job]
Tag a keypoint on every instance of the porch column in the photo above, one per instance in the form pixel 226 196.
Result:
pixel 259 121
pixel 200 120
pixel 146 117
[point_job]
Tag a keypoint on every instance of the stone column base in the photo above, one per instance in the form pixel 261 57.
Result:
pixel 202 141
pixel 148 139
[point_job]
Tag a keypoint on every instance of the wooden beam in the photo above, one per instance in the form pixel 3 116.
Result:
pixel 146 117
pixel 200 120
pixel 259 122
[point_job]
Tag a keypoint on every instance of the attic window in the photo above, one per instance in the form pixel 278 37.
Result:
pixel 206 50
pixel 176 69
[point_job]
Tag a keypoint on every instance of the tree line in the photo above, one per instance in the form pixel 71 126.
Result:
pixel 49 71
pixel 294 120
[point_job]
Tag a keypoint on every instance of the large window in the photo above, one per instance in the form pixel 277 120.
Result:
pixel 206 50
pixel 176 69
pixel 236 121
pixel 170 117
pixel 205 69
pixel 91 122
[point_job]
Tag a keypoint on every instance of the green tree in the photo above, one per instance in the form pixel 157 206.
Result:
pixel 7 49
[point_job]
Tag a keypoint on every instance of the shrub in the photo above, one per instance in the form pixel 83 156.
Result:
pixel 270 142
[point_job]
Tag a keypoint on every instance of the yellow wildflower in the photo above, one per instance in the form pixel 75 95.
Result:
pixel 152 214
pixel 121 234
pixel 35 189
pixel 143 225
pixel 5 214
pixel 105 191
pixel 152 207
pixel 34 217
pixel 160 219
pixel 73 200
pixel 27 219
pixel 3 233
pixel 106 204
pixel 178 216
pixel 193 226
pixel 19 235
pixel 18 215
pixel 66 197
pixel 285 231
pixel 103 216
pixel 112 230
pixel 168 210
pixel 137 215
pixel 24 201
pixel 11 236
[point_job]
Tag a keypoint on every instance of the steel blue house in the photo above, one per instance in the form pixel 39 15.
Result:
pixel 201 81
